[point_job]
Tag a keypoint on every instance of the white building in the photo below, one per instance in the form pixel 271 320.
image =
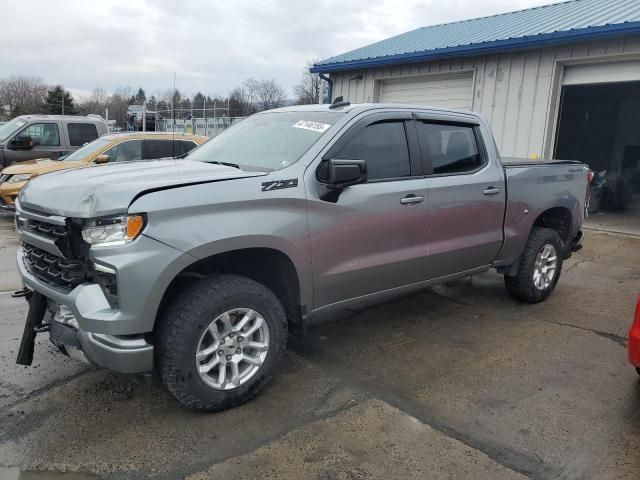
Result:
pixel 560 81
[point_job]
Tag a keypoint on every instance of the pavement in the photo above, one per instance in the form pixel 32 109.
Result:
pixel 456 382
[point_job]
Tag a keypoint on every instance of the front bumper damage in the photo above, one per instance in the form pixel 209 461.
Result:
pixel 126 354
pixel 82 316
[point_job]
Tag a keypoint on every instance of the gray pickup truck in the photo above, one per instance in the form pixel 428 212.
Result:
pixel 29 137
pixel 199 269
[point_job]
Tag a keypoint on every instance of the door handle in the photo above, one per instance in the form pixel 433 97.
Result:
pixel 492 191
pixel 411 200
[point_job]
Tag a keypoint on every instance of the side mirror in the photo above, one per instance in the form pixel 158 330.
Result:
pixel 22 142
pixel 339 174
pixel 101 159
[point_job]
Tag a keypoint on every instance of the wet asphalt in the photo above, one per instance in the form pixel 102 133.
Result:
pixel 458 382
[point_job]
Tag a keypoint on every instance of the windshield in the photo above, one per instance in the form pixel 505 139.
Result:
pixel 87 150
pixel 10 128
pixel 267 141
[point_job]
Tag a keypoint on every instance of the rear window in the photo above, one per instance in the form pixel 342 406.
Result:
pixel 158 149
pixel 81 133
pixel 451 148
pixel 185 146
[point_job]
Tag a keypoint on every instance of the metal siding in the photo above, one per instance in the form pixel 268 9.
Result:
pixel 513 91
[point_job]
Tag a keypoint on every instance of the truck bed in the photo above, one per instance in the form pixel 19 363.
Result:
pixel 534 186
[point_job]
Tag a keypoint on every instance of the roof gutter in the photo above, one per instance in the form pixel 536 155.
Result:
pixel 496 46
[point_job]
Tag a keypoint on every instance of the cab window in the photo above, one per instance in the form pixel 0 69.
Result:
pixel 185 146
pixel 450 148
pixel 43 134
pixel 81 133
pixel 125 151
pixel 158 149
pixel 384 147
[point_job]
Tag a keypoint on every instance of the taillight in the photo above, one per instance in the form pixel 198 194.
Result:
pixel 634 338
pixel 590 176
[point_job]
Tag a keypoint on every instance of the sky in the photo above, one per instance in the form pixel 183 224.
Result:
pixel 211 45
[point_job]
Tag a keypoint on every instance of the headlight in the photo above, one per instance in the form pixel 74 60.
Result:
pixel 22 177
pixel 113 231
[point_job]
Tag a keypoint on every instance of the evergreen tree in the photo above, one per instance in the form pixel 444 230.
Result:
pixel 162 107
pixel 140 97
pixel 55 99
pixel 152 103
pixel 198 105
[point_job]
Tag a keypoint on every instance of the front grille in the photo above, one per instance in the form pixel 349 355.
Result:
pixel 54 270
pixel 48 229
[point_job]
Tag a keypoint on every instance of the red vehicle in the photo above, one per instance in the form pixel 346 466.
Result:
pixel 634 339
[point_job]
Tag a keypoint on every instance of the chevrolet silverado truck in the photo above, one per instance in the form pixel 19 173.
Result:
pixel 198 269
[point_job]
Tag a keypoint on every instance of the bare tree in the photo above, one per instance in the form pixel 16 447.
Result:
pixel 118 104
pixel 95 103
pixel 23 95
pixel 251 87
pixel 311 89
pixel 270 94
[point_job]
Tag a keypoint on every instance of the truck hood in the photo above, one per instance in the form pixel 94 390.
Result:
pixel 40 166
pixel 109 189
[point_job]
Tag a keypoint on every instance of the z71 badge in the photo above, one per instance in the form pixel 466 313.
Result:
pixel 278 184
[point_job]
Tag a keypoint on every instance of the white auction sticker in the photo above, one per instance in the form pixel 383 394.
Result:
pixel 314 126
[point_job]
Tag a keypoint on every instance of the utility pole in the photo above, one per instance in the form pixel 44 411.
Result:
pixel 204 114
pixel 173 96
pixel 144 116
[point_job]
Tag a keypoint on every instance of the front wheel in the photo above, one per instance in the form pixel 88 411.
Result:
pixel 539 268
pixel 220 342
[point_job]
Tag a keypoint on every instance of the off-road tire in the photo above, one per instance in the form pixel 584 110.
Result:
pixel 521 286
pixel 184 321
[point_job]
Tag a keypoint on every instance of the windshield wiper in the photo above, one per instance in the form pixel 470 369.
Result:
pixel 228 164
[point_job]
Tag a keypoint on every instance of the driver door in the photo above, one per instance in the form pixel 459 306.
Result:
pixel 373 236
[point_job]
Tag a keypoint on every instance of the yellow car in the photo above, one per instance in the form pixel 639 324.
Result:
pixel 120 147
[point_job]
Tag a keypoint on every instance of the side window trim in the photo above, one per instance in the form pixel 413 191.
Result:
pixel 424 148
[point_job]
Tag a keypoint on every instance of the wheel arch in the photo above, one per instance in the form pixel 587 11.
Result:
pixel 266 265
pixel 559 219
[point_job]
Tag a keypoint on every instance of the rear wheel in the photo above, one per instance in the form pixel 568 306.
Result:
pixel 539 267
pixel 221 342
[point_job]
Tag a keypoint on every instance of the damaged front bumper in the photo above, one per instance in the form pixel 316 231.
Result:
pixel 122 353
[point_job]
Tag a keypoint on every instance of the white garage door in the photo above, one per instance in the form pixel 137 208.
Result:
pixel 451 90
pixel 601 73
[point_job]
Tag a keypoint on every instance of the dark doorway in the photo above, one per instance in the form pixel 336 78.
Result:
pixel 600 124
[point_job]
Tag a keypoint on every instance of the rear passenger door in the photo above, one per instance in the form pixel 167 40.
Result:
pixel 466 197
pixel 372 237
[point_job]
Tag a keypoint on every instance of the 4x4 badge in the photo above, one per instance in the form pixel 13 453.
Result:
pixel 278 184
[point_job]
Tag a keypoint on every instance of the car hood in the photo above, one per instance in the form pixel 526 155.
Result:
pixel 109 189
pixel 40 166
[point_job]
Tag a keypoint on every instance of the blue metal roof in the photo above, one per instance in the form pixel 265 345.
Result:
pixel 564 22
